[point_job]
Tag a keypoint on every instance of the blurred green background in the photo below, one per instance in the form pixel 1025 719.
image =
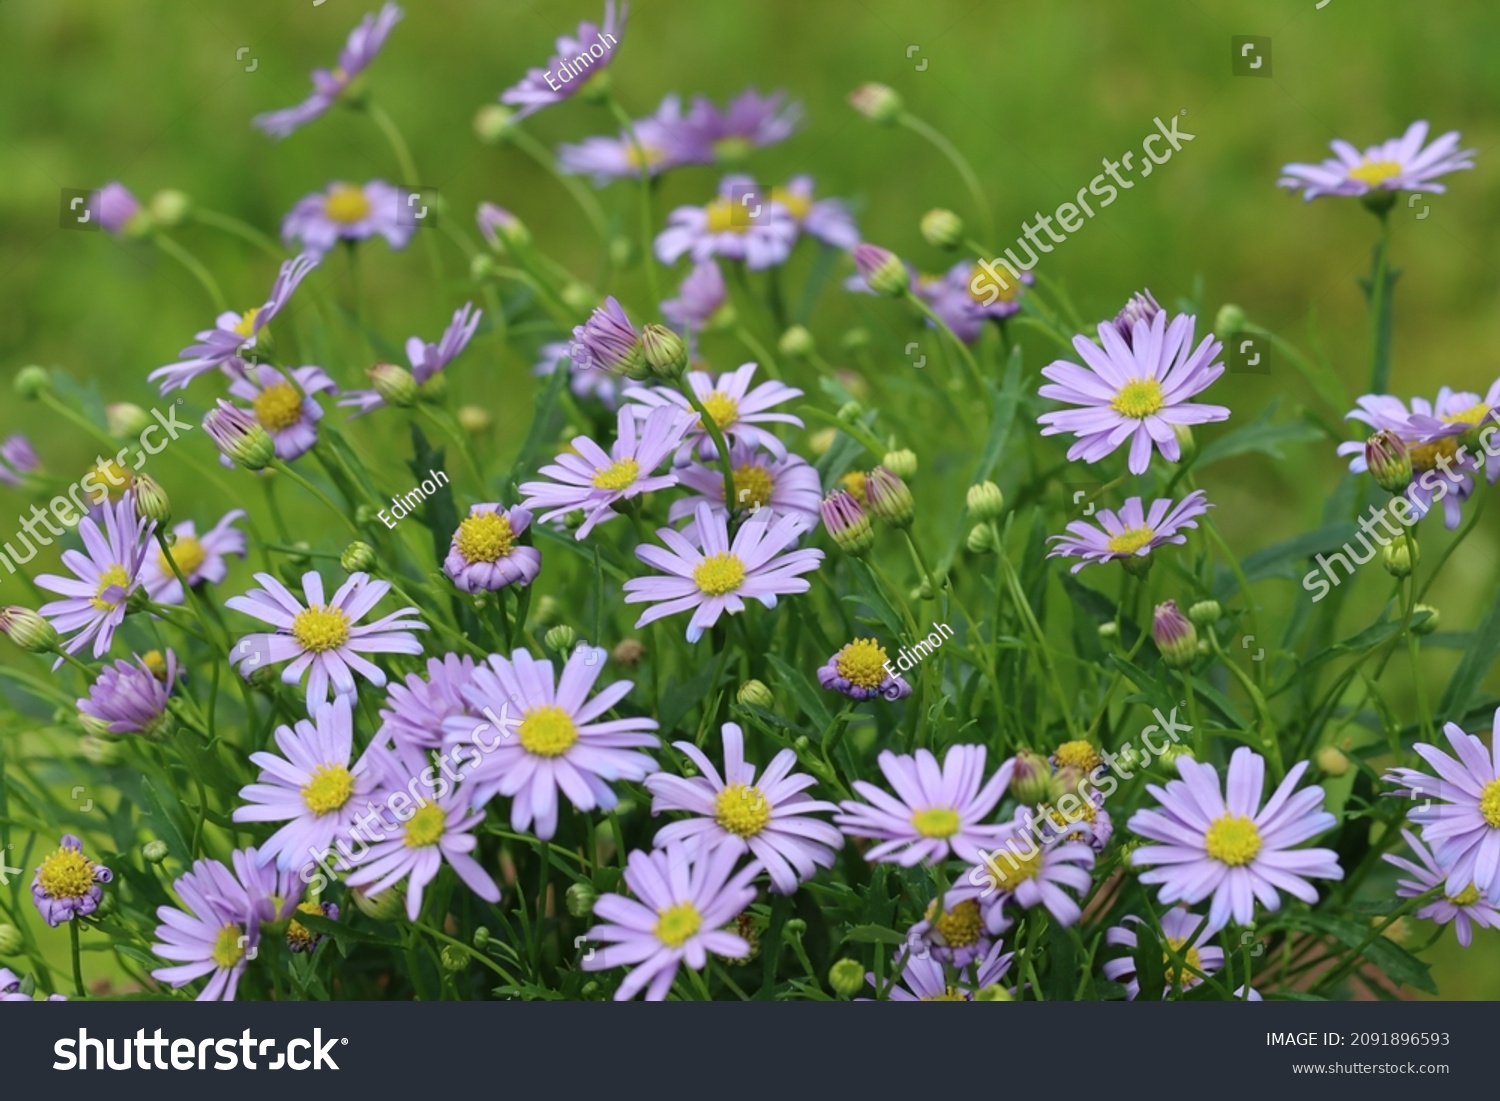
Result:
pixel 155 93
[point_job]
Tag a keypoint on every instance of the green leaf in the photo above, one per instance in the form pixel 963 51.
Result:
pixel 807 696
pixel 1062 964
pixel 678 699
pixel 165 825
pixel 1395 962
pixel 874 934
pixel 439 512
pixel 1474 665
pixel 1004 403
pixel 1263 435
pixel 1149 969
pixel 1282 559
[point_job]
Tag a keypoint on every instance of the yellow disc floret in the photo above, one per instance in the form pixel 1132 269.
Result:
pixel 426 827
pixel 321 628
pixel 797 205
pixel 346 204
pixel 721 407
pixel 936 822
pixel 245 326
pixel 113 577
pixel 229 946
pixel 1233 839
pixel 742 810
pixel 1375 173
pixel 676 924
pixel 329 789
pixel 298 936
pixel 1011 868
pixel 187 552
pixel 958 927
pixel 67 873
pixel 719 573
pixel 1489 803
pixel 547 731
pixel 1467 897
pixel 278 407
pixel 1139 398
pixel 862 663
pixel 1005 287
pixel 1130 540
pixel 485 537
pixel 727 216
pixel 752 486
pixel 1077 754
pixel 617 476
pixel 1188 954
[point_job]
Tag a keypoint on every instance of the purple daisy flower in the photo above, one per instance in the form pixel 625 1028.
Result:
pixel 289 416
pixel 748 122
pixel 967 296
pixel 557 745
pixel 585 382
pixel 1186 933
pixel 1465 909
pixel 607 341
pixel 828 220
pixel 719 578
pixel 664 143
pixel 416 708
pixel 115 207
pixel 925 979
pixel 860 670
pixel 1132 533
pixel 686 898
pixel 937 812
pixel 427 359
pixel 767 819
pixel 321 639
pixel 742 223
pixel 94 599
pixel 700 296
pixel 213 933
pixel 68 884
pixel 952 932
pixel 593 480
pixel 17 459
pixel 1400 164
pixel 129 698
pixel 233 334
pixel 485 554
pixel 1027 871
pixel 788 486
pixel 1136 391
pixel 199 558
pixel 577 59
pixel 273 893
pixel 736 409
pixel 313 787
pixel 1463 826
pixel 1226 845
pixel 346 212
pixel 359 51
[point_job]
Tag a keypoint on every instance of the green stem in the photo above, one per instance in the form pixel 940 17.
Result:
pixel 77 962
pixel 949 150
pixel 282 468
pixel 711 426
pixel 195 268
pixel 648 257
pixel 242 230
pixel 571 184
pixel 392 134
pixel 963 349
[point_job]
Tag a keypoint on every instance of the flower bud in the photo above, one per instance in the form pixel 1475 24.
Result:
pixel 1175 636
pixel 1205 613
pixel 797 342
pixel 1068 780
pixel 1425 626
pixel 1031 779
pixel 902 462
pixel 455 959
pixel 126 420
pixel 794 928
pixel 240 436
pixel 847 523
pixel 855 339
pixel 28 630
pixel 151 501
pixel 1109 629
pixel 1332 761
pixel 481 938
pixel 481 267
pixel 981 540
pixel 1230 320
pixel 985 501
pixel 821 440
pixel 11 941
pixel 628 652
pixel 889 498
pixel 665 351
pixel 1142 306
pixel 395 384
pixel 388 905
pixel 578 297
pixel 993 993
pixel 580 899
pixel 474 420
pixel 502 229
pixel 358 557
pixel 155 852
pixel 1174 754
pixel 32 382
pixel 1402 556
pixel 846 977
pixel 170 207
pixel 1138 565
pixel 942 228
pixel 560 639
pixel 877 102
pixel 1389 460
pixel 882 270
pixel 754 693
pixel 492 123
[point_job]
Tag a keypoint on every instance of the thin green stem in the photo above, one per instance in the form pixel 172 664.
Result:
pixel 957 159
pixel 195 268
pixel 648 255
pixel 281 467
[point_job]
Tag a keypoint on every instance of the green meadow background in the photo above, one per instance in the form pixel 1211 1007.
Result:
pixel 155 93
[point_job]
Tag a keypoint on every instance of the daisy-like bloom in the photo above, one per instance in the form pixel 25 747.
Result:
pixel 314 786
pixel 321 639
pixel 1026 871
pixel 438 831
pixel 363 45
pixel 953 932
pixel 233 334
pixel 299 938
pixel 557 745
pixel 68 884
pixel 736 409
pixel 1400 164
pixel 1132 533
pixel 348 212
pixel 593 480
pixel 700 297
pixel 966 296
pixel 716 577
pixel 129 697
pixel 273 893
pixel 937 812
pixel 212 934
pixel 748 122
pixel 94 599
pixel 787 486
pixel 485 554
pixel 1142 306
pixel 585 382
pixel 1226 845
pixel 686 896
pixel 664 144
pixel 577 60
pixel 860 671
pixel 416 708
pixel 828 220
pixel 427 358
pixel 1465 909
pixel 1463 826
pixel 608 342
pixel 768 818
pixel 1134 391
pixel 742 223
pixel 1185 933
pixel 200 558
pixel 16 459
pixel 291 418
pixel 1080 819
pixel 116 208
pixel 10 989
pixel 923 977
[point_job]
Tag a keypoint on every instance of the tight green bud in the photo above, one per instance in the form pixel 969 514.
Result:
pixel 11 941
pixel 151 501
pixel 882 270
pixel 855 339
pixel 393 383
pixel 1428 625
pixel 1175 636
pixel 797 342
pixel 981 540
pixel 846 977
pixel 455 959
pixel 985 501
pixel 889 498
pixel 560 639
pixel 1332 761
pixel 1389 461
pixel 358 557
pixel 125 420
pixel 902 462
pixel 1230 320
pixel 942 229
pixel 1205 613
pixel 481 938
pixel 877 102
pixel 580 899
pixel 493 122
pixel 1402 556
pixel 1031 781
pixel 154 851
pixel 754 693
pixel 28 630
pixel 170 207
pixel 665 351
pixel 32 382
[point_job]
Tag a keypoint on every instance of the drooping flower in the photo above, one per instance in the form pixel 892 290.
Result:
pixel 700 296
pixel 664 144
pixel 359 51
pixel 741 223
pixel 1186 933
pixel 239 437
pixel 548 737
pixel 1132 533
pixel 1222 843
pixel 116 208
pixel 130 698
pixel 68 884
pixel 233 334
pixel 1400 164
pixel 846 521
pixel 427 359
pixel 349 212
pixel 966 296
pixel 289 416
pixel 1137 391
pixel 859 671
pixel 608 342
pixel 923 977
pixel 594 480
pixel 828 220
pixel 716 577
pixel 1465 909
pixel 937 811
pixel 748 122
pixel 585 382
pixel 322 639
pixel 215 932
pixel 17 459
pixel 94 599
pixel 485 554
pixel 1175 636
pixel 576 61
pixel 199 558
pixel 416 707
pixel 737 410
pixel 769 818
pixel 686 896
pixel 788 486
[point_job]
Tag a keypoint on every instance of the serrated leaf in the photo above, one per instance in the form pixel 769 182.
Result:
pixel 874 934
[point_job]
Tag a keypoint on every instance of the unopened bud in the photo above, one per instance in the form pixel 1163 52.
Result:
pixel 902 462
pixel 11 941
pixel 877 102
pixel 846 977
pixel 1031 779
pixel 754 693
pixel 560 639
pixel 797 342
pixel 32 382
pixel 580 899
pixel 1424 626
pixel 1205 613
pixel 1230 320
pixel 28 630
pixel 358 557
pixel 1332 761
pixel 493 122
pixel 981 540
pixel 126 420
pixel 170 207
pixel 1402 556
pixel 985 501
pixel 1389 461
pixel 665 351
pixel 151 501
pixel 1174 635
pixel 154 851
pixel 942 228
pixel 882 270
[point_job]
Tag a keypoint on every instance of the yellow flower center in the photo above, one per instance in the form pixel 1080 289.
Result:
pixel 228 946
pixel 721 407
pixel 617 476
pixel 1190 957
pixel 329 789
pixel 1139 398
pixel 732 149
pixel 319 628
pixel 1425 456
pixel 299 936
pixel 675 924
pixel 1467 897
pixel 1011 868
pixel 854 484
pixel 797 205
pixel 648 157
pixel 67 873
pixel 752 486
pixel 1489 803
pixel 245 326
pixel 960 926
pixel 278 407
pixel 187 552
pixel 862 663
pixel 1079 754
pixel 485 537
pixel 1062 820
pixel 1130 540
pixel 742 810
pixel 1375 173
pixel 115 575
pixel 936 822
pixel 426 827
pixel 114 479
pixel 1006 287
pixel 547 731
pixel 727 216
pixel 949 994
pixel 346 205
pixel 1473 415
pixel 719 574
pixel 154 660
pixel 1232 839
